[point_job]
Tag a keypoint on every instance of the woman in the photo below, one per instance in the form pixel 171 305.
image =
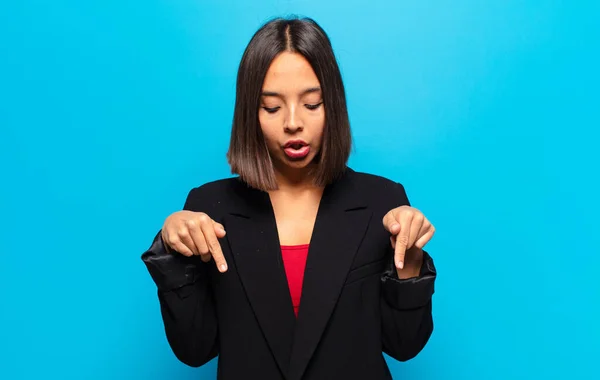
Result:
pixel 299 268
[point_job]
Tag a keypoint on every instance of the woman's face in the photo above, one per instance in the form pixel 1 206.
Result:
pixel 291 114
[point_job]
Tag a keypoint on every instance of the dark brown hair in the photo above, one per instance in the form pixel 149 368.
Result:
pixel 248 154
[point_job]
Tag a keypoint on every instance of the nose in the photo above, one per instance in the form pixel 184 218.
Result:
pixel 293 122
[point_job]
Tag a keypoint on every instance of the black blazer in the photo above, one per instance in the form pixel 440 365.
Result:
pixel 353 305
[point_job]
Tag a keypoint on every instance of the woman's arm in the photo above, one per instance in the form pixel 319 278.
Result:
pixel 186 301
pixel 406 293
pixel 406 316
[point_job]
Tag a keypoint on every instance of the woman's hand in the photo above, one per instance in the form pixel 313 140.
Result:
pixel 195 233
pixel 410 232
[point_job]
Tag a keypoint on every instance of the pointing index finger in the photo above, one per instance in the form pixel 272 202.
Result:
pixel 402 240
pixel 214 247
pixel 400 250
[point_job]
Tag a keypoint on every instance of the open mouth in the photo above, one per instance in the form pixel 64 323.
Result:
pixel 296 149
pixel 295 145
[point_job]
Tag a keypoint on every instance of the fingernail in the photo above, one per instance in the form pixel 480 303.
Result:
pixel 400 265
pixel 223 267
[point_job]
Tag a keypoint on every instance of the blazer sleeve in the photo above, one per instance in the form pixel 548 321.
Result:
pixel 186 301
pixel 406 306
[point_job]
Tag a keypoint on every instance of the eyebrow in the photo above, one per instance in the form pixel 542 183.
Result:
pixel 307 91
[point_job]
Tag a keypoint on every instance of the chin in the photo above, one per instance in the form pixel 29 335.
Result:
pixel 298 164
pixel 301 164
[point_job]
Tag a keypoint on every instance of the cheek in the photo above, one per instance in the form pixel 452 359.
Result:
pixel 268 127
pixel 319 129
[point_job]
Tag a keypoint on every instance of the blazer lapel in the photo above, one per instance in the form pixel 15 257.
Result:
pixel 254 242
pixel 341 223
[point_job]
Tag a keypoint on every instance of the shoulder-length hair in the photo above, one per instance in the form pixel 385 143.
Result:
pixel 248 155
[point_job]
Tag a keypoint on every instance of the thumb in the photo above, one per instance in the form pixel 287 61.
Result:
pixel 391 224
pixel 219 229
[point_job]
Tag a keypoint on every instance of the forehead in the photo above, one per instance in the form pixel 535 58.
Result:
pixel 290 71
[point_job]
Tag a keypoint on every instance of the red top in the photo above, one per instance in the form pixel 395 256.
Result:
pixel 294 261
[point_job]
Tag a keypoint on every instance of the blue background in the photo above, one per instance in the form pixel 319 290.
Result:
pixel 487 111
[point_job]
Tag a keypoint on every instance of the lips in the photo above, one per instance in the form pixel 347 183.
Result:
pixel 296 149
pixel 295 144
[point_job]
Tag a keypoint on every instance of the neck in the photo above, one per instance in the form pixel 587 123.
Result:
pixel 294 179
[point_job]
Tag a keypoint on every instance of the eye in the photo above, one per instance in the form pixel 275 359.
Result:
pixel 271 109
pixel 313 107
